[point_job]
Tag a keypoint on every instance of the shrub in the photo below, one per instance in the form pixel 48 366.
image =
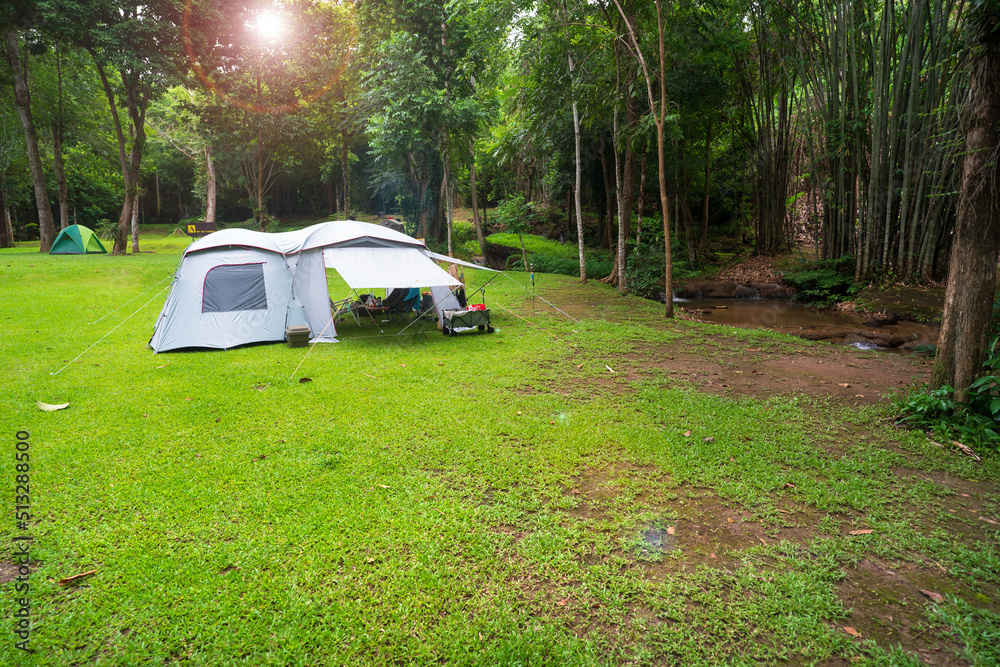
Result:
pixel 823 282
pixel 976 422
pixel 108 229
pixel 644 271
pixel 463 231
pixel 566 266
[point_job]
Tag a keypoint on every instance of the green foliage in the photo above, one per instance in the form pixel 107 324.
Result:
pixel 463 231
pixel 975 628
pixel 976 422
pixel 514 215
pixel 565 266
pixel 542 246
pixel 108 229
pixel 645 269
pixel 823 282
pixel 550 256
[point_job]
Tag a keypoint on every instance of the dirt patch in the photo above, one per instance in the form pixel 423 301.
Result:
pixel 753 269
pixel 841 374
pixel 8 571
pixel 886 605
pixel 920 304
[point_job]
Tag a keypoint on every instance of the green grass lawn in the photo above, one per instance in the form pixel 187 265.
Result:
pixel 523 498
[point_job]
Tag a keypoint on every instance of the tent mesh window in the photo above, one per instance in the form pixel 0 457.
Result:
pixel 232 287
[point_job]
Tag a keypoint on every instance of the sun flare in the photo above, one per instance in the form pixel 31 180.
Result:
pixel 270 26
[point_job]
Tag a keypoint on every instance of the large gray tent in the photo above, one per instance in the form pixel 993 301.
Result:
pixel 237 286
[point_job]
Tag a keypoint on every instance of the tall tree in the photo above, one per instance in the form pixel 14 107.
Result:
pixel 135 48
pixel 659 112
pixel 968 304
pixel 22 100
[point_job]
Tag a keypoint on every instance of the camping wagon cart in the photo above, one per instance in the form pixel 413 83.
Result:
pixel 472 317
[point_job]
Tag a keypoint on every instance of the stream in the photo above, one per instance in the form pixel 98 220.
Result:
pixel 811 323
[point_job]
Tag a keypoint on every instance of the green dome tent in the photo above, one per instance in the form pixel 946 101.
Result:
pixel 76 240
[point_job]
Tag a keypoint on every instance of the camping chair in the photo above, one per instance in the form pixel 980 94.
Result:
pixel 401 302
pixel 343 307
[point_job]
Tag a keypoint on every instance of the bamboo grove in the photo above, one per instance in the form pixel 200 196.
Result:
pixel 835 121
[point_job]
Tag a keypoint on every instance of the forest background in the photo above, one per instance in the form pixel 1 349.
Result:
pixel 661 131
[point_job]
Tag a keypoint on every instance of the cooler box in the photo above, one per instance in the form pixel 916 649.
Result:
pixel 297 336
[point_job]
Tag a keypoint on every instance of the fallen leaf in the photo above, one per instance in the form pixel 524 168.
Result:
pixel 304 380
pixel 403 365
pixel 851 631
pixel 69 580
pixel 670 530
pixel 49 407
pixel 843 384
pixel 729 520
pixel 933 595
pixel 788 485
pixel 737 371
pixel 989 521
pixel 857 658
pixel 579 366
pixel 518 412
pixel 860 395
pixel 709 439
pixel 762 541
pixel 866 531
pixel 784 511
pixel 218 419
pixel 965 495
pixel 609 368
pixel 562 603
pixel 687 434
pixel 575 492
pixel 711 555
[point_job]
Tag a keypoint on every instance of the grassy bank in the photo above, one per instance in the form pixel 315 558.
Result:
pixel 554 493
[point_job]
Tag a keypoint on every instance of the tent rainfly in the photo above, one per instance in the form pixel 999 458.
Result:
pixel 238 286
pixel 77 240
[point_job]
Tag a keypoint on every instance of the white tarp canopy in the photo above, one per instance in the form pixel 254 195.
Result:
pixel 238 286
pixel 378 267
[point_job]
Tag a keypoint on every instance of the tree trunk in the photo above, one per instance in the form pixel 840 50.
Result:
pixel 6 230
pixel 136 101
pixel 210 185
pixel 708 180
pixel 448 190
pixel 259 183
pixel 57 137
pixel 480 236
pixel 968 304
pixel 641 199
pixel 22 100
pixel 604 231
pixel 135 225
pixel 60 171
pixel 576 195
pixel 345 168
